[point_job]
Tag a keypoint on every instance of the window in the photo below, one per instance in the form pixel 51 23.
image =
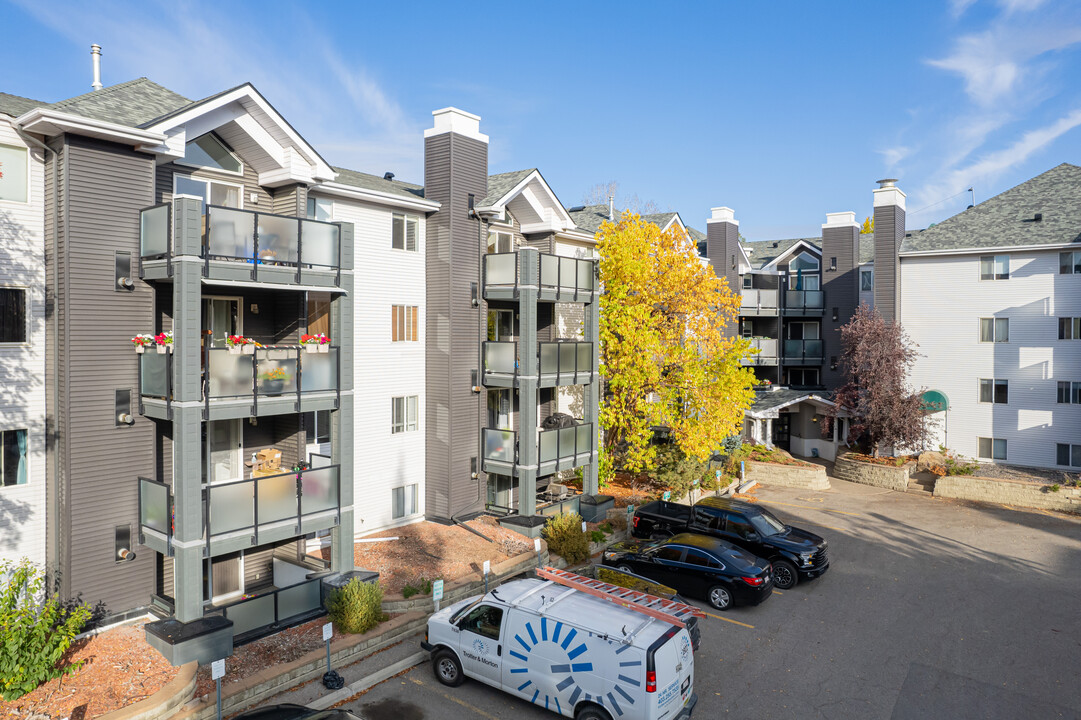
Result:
pixel 1069 328
pixel 12 457
pixel 13 173
pixel 403 323
pixel 833 263
pixel 317 427
pixel 403 235
pixel 802 377
pixel 994 329
pixel 867 280
pixel 805 262
pixel 486 620
pixel 404 500
pixel 699 558
pixel 739 526
pixel 803 331
pixel 991 448
pixel 671 554
pixel 994 267
pixel 403 412
pixel 210 152
pixel 320 208
pixel 1067 454
pixel 748 281
pixel 12 315
pixel 212 192
pixel 1069 392
pixel 500 242
pixel 994 391
pixel 1069 263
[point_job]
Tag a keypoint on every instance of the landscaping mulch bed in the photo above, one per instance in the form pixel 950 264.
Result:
pixel 120 669
pixel 761 453
pixel 887 460
pixel 1026 474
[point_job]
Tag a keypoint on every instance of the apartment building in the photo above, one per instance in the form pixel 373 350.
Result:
pixel 23 507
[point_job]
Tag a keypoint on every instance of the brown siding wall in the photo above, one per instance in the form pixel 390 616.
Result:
pixel 889 233
pixel 56 542
pixel 841 291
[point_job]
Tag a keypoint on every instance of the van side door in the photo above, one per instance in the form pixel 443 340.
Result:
pixel 480 643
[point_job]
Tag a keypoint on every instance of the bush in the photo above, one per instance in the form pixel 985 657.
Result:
pixel 357 607
pixel 596 536
pixel 36 632
pixel 619 522
pixel 677 471
pixel 954 465
pixel 1054 488
pixel 605 527
pixel 606 470
pixel 423 587
pixel 565 538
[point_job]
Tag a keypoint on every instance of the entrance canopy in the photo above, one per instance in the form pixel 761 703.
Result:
pixel 795 420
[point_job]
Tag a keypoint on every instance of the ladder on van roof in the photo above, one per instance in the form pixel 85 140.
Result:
pixel 655 607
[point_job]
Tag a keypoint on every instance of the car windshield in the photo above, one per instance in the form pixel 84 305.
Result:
pixel 766 524
pixel 464 609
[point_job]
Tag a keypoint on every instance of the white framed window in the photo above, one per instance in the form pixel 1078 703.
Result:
pixel 14 316
pixel 404 500
pixel 748 281
pixel 867 280
pixel 500 242
pixel 403 323
pixel 14 174
pixel 994 267
pixel 991 448
pixel 213 192
pixel 1069 263
pixel 209 151
pixel 403 232
pixel 994 330
pixel 803 330
pixel 1069 392
pixel 403 414
pixel 1068 454
pixel 1069 328
pixel 13 462
pixel 994 391
pixel 805 262
pixel 320 208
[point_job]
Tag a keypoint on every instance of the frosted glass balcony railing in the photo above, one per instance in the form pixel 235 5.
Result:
pixel 568 362
pixel 154 231
pixel 269 239
pixel 155 506
pixel 500 270
pixel 276 370
pixel 155 375
pixel 255 616
pixel 499 445
pixel 270 372
pixel 319 371
pixel 803 351
pixel 500 357
pixel 803 300
pixel 566 274
pixel 228 375
pixel 759 299
pixel 565 443
pixel 767 351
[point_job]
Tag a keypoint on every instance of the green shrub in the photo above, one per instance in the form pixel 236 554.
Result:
pixel 565 538
pixel 357 607
pixel 596 536
pixel 1054 488
pixel 606 469
pixel 605 527
pixel 409 591
pixel 36 631
pixel 677 471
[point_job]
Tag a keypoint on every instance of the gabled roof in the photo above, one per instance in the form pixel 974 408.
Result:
pixel 867 248
pixel 1008 219
pixel 531 200
pixel 374 182
pixel 15 105
pixel 763 252
pixel 589 218
pixel 501 184
pixel 696 235
pixel 767 403
pixel 132 103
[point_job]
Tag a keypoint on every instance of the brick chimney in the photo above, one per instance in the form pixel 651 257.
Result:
pixel 889 216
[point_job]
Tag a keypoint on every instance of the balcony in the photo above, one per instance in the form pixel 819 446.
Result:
pixel 558 279
pixel 273 609
pixel 803 352
pixel 246 246
pixel 559 363
pixel 767 352
pixel 759 303
pixel 244 513
pixel 558 449
pixel 803 302
pixel 272 380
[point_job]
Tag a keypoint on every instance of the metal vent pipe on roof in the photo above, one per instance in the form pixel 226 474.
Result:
pixel 95 58
pixel 611 208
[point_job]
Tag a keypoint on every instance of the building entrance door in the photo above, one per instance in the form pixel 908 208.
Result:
pixel 782 431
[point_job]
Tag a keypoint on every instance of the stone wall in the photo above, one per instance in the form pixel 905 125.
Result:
pixel 1009 492
pixel 865 473
pixel 811 477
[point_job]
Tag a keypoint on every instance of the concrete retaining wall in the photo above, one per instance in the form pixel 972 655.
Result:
pixel 1009 492
pixel 865 473
pixel 811 477
pixel 164 702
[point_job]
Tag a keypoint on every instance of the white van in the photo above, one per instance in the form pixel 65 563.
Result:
pixel 564 649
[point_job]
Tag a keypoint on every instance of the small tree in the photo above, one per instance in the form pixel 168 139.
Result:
pixel 876 357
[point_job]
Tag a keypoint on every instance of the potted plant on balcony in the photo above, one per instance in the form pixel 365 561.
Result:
pixel 142 341
pixel 164 342
pixel 318 343
pixel 240 345
pixel 273 381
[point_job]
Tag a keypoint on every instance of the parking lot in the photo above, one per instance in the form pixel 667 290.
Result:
pixel 931 609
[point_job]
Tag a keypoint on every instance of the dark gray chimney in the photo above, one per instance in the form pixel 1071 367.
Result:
pixel 840 285
pixel 455 175
pixel 889 234
pixel 722 249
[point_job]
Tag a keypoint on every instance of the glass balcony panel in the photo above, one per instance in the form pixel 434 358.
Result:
pixel 566 442
pixel 814 299
pixel 232 233
pixel 154 231
pixel 585 275
pixel 566 358
pixel 299 599
pixel 768 347
pixel 154 374
pixel 278 239
pixel 320 371
pixel 501 269
pixel 499 445
pixel 549 271
pixel 251 614
pixel 154 506
pixel 276 370
pixel 793 348
pixel 549 445
pixel 568 273
pixel 500 357
pixel 549 358
pixel 276 497
pixel 319 490
pixel 230 375
pixel 584 351
pixel 812 348
pixel 232 507
pixel 584 436
pixel 320 243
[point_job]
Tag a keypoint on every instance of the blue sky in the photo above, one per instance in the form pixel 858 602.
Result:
pixel 783 111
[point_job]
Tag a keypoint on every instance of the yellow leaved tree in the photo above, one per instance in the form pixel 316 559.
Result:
pixel 664 353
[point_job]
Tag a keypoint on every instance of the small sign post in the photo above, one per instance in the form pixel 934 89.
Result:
pixel 536 547
pixel 742 472
pixel 217 671
pixel 584 529
pixel 328 632
pixel 630 517
pixel 331 679
pixel 667 495
pixel 437 592
pixel 487 569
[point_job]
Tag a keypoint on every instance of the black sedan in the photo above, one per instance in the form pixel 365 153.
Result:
pixel 697 566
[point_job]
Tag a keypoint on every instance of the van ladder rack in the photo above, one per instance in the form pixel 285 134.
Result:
pixel 669 611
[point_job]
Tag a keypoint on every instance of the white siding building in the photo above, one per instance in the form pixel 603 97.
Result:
pixel 22 348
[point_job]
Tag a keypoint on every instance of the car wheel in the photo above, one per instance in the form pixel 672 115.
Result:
pixel 592 712
pixel 719 597
pixel 785 576
pixel 625 568
pixel 447 668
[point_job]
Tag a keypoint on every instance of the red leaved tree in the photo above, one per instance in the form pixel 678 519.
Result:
pixel 876 357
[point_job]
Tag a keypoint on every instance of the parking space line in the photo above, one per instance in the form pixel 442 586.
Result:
pixel 810 507
pixel 735 622
pixel 458 700
pixel 778 592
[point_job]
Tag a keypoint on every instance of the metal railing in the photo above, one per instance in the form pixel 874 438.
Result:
pixel 500 271
pixel 156 234
pixel 565 443
pixel 155 510
pixel 759 299
pixel 570 362
pixel 272 609
pixel 803 300
pixel 803 351
pixel 767 351
pixel 500 445
pixel 268 239
pixel 567 274
pixel 500 356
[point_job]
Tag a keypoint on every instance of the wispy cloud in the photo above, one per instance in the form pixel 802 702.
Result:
pixel 894 155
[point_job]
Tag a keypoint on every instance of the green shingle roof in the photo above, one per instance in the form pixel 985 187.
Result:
pixel 501 184
pixel 1008 219
pixel 15 105
pixel 374 182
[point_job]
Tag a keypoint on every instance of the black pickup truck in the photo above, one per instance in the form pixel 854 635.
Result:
pixel 795 554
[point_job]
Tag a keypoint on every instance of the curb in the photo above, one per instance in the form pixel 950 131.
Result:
pixel 371 680
pixel 164 702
